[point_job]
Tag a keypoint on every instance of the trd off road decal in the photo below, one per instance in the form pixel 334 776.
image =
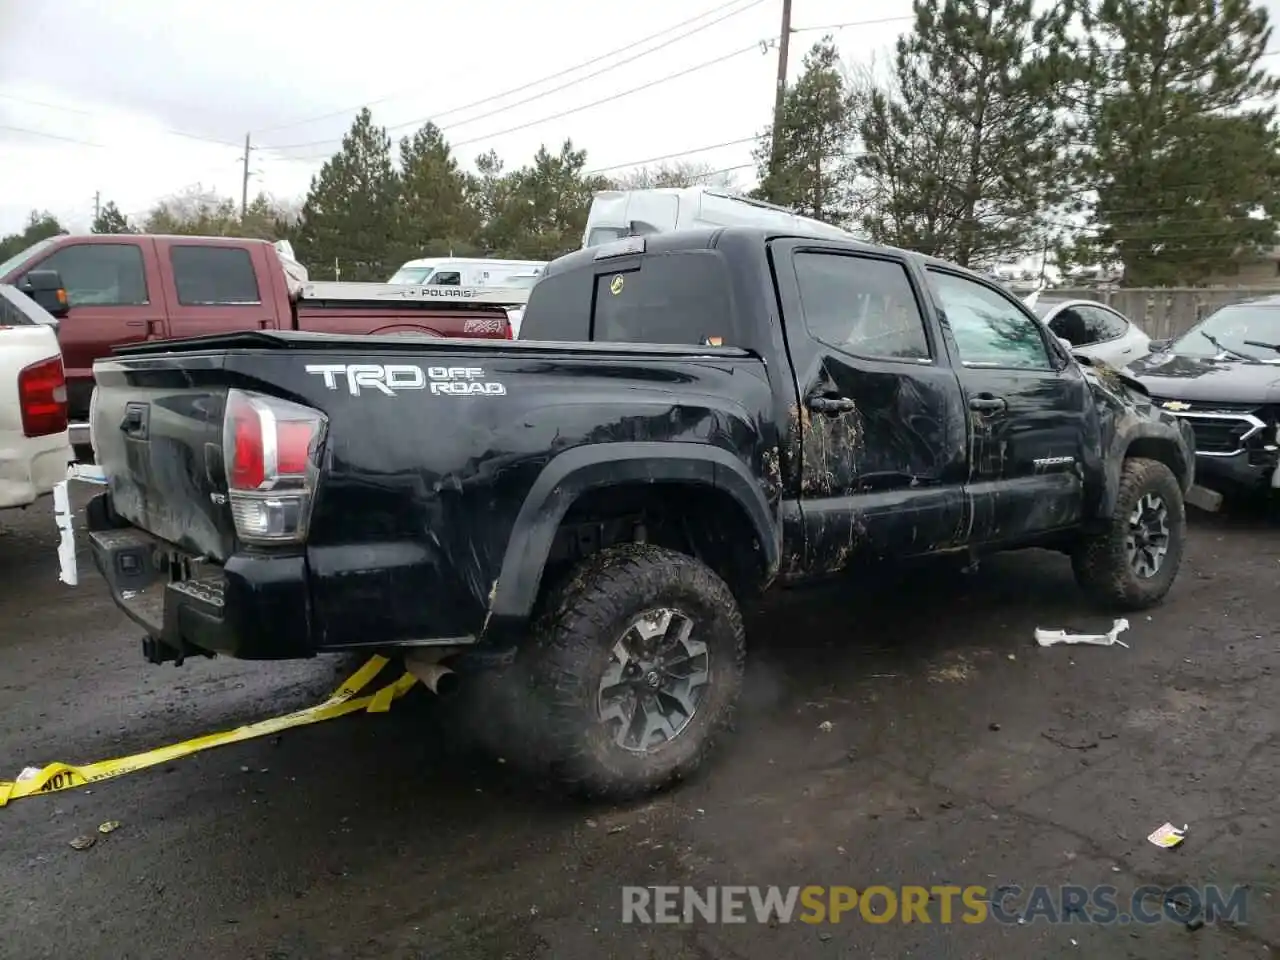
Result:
pixel 391 378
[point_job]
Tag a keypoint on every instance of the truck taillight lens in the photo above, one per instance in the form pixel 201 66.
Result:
pixel 42 397
pixel 272 450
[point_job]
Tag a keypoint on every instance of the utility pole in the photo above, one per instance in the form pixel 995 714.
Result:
pixel 784 47
pixel 97 204
pixel 244 184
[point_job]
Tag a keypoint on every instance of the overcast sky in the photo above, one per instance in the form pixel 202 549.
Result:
pixel 94 96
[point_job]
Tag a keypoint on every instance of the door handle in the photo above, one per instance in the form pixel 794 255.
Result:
pixel 134 421
pixel 987 404
pixel 831 405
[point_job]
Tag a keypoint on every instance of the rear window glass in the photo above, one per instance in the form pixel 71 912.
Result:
pixel 677 298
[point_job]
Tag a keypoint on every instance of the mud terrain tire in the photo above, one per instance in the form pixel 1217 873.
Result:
pixel 634 598
pixel 1149 500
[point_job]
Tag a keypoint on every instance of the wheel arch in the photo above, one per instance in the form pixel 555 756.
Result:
pixel 1151 440
pixel 596 468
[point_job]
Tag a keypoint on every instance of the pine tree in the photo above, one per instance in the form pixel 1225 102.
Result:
pixel 1179 140
pixel 539 211
pixel 349 216
pixel 434 215
pixel 810 168
pixel 964 155
pixel 109 219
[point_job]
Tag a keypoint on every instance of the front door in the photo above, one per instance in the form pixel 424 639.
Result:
pixel 879 428
pixel 114 299
pixel 1028 409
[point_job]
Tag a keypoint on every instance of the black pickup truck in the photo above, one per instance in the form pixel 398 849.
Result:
pixel 690 418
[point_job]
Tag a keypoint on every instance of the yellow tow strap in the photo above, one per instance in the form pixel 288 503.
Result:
pixel 61 776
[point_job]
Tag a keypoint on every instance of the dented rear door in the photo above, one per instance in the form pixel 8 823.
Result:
pixel 879 419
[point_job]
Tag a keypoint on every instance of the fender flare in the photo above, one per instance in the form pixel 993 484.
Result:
pixel 1169 434
pixel 595 466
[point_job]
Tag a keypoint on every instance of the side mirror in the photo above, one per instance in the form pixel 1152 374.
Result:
pixel 1066 344
pixel 45 288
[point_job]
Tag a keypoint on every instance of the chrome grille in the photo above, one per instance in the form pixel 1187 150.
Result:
pixel 1220 432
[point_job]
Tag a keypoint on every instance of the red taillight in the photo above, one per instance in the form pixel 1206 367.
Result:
pixel 293 446
pixel 270 446
pixel 247 469
pixel 42 395
pixel 509 332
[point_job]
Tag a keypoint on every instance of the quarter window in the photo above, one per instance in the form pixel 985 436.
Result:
pixel 989 330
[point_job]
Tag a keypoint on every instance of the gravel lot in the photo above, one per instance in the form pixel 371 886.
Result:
pixel 899 732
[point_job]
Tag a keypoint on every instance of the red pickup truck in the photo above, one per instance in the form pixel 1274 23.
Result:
pixel 114 289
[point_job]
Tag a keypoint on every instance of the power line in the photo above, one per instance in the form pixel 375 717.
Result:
pixel 523 86
pixel 603 100
pixel 851 23
pixel 537 96
pixel 87 113
pixel 676 156
pixel 618 96
pixel 51 136
pixel 565 86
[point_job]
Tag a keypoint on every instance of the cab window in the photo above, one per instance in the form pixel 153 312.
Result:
pixel 100 274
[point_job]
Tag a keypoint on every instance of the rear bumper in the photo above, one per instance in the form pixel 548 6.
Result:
pixel 251 608
pixel 31 467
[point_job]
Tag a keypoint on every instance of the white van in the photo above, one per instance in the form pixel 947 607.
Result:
pixel 628 213
pixel 456 272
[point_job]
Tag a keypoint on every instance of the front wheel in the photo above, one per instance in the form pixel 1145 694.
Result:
pixel 1133 562
pixel 637 666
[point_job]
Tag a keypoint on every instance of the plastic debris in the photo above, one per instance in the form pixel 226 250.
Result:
pixel 111 826
pixel 1047 638
pixel 1168 835
pixel 825 726
pixel 84 843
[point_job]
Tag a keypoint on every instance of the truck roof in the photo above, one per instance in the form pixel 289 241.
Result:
pixel 710 237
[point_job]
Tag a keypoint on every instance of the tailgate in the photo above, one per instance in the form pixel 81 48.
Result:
pixel 157 434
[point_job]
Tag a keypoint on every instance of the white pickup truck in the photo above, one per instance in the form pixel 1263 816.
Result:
pixel 34 444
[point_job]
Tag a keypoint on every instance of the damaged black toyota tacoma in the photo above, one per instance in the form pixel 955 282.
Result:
pixel 688 419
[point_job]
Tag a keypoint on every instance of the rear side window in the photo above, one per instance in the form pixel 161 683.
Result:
pixel 214 276
pixel 861 305
pixel 1103 324
pixel 674 298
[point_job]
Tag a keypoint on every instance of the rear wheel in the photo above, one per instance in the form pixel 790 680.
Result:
pixel 1133 562
pixel 637 665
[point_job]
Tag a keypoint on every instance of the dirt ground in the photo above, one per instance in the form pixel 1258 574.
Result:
pixel 907 732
